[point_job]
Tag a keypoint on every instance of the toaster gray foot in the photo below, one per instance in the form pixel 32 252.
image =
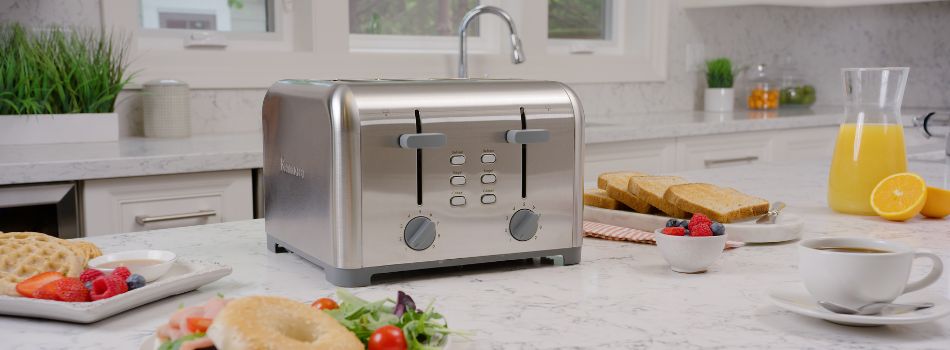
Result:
pixel 274 246
pixel 572 256
pixel 348 278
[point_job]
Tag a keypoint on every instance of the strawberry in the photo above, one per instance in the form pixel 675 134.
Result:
pixel 699 220
pixel 47 291
pixel 109 286
pixel 701 231
pixel 674 231
pixel 71 290
pixel 122 271
pixel 30 285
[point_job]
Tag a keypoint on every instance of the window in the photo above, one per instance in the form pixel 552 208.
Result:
pixel 410 17
pixel 585 26
pixel 220 15
pixel 421 26
pixel 578 19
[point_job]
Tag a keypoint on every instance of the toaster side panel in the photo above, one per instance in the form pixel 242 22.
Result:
pixel 299 170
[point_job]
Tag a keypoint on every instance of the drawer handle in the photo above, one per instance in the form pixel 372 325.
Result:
pixel 143 219
pixel 730 160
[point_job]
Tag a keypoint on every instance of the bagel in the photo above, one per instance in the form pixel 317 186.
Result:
pixel 267 322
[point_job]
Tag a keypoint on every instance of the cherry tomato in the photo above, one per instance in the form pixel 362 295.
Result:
pixel 198 324
pixel 324 304
pixel 387 338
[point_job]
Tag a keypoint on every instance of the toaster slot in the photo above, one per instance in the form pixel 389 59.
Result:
pixel 419 141
pixel 524 136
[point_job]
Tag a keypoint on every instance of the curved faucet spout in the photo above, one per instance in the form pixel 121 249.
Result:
pixel 517 55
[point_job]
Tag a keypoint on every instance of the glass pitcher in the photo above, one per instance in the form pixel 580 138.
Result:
pixel 870 143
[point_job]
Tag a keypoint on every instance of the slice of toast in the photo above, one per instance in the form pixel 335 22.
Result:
pixel 603 178
pixel 616 187
pixel 718 203
pixel 596 197
pixel 652 188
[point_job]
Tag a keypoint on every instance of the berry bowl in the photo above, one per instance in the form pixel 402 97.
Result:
pixel 688 254
pixel 150 264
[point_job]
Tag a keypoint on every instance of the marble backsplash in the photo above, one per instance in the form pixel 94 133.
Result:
pixel 820 41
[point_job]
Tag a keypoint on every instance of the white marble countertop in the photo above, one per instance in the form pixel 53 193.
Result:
pixel 131 156
pixel 621 295
pixel 140 156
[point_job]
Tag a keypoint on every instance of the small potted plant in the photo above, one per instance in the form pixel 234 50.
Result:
pixel 720 96
pixel 60 85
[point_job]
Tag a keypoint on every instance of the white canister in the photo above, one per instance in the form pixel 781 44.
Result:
pixel 719 100
pixel 166 108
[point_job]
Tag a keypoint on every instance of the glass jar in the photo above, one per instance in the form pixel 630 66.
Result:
pixel 870 144
pixel 761 91
pixel 794 92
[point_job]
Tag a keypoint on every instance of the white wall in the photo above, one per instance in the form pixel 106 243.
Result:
pixel 821 40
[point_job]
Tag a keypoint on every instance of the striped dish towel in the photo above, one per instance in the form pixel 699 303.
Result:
pixel 617 233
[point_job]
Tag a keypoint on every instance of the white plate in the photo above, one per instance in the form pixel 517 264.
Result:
pixel 184 276
pixel 152 343
pixel 798 300
pixel 787 227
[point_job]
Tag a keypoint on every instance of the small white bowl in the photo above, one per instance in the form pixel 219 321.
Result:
pixel 150 272
pixel 688 254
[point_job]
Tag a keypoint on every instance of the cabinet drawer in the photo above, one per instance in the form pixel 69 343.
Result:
pixel 649 156
pixel 805 144
pixel 717 151
pixel 165 201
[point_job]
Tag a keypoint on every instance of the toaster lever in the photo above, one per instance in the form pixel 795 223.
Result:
pixel 525 136
pixel 422 140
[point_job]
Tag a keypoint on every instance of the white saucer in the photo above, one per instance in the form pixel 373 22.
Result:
pixel 797 300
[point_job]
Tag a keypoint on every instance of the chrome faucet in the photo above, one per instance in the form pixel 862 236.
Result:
pixel 517 56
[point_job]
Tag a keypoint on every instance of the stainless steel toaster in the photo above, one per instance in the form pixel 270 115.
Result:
pixel 375 176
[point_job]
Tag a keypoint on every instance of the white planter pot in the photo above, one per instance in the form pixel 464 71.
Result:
pixel 719 100
pixel 58 128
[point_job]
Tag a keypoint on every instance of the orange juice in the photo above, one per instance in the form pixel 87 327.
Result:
pixel 864 155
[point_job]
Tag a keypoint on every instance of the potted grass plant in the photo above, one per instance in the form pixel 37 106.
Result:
pixel 59 85
pixel 719 97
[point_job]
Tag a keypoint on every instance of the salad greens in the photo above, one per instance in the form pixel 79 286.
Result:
pixel 174 345
pixel 424 329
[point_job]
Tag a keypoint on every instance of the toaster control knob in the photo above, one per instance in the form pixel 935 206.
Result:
pixel 523 224
pixel 419 233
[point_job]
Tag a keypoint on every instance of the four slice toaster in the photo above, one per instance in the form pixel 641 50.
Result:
pixel 368 177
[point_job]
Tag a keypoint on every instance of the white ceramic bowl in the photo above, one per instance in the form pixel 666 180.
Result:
pixel 689 254
pixel 150 272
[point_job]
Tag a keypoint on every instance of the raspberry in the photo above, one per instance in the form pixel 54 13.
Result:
pixel 107 287
pixel 699 220
pixel 700 231
pixel 674 231
pixel 89 275
pixel 122 271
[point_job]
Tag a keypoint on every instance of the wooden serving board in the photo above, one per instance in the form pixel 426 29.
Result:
pixel 787 227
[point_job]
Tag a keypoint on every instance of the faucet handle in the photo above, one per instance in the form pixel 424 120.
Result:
pixel 928 122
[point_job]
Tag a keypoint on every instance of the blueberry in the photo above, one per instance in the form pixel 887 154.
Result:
pixel 135 282
pixel 672 223
pixel 718 229
pixel 89 285
pixel 684 224
pixel 687 232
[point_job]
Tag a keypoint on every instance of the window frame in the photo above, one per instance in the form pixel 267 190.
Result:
pixel 616 29
pixel 315 44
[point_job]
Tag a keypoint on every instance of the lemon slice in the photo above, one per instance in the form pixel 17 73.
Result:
pixel 938 203
pixel 899 197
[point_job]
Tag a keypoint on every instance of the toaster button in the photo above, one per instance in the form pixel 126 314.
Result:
pixel 488 198
pixel 457 201
pixel 457 180
pixel 488 158
pixel 457 159
pixel 488 179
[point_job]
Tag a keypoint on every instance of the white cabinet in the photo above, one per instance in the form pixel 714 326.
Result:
pixel 653 156
pixel 715 151
pixel 709 151
pixel 804 144
pixel 799 3
pixel 153 202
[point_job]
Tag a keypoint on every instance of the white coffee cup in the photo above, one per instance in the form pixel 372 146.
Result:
pixel 855 279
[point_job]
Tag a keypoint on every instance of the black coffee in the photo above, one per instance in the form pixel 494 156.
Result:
pixel 854 250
